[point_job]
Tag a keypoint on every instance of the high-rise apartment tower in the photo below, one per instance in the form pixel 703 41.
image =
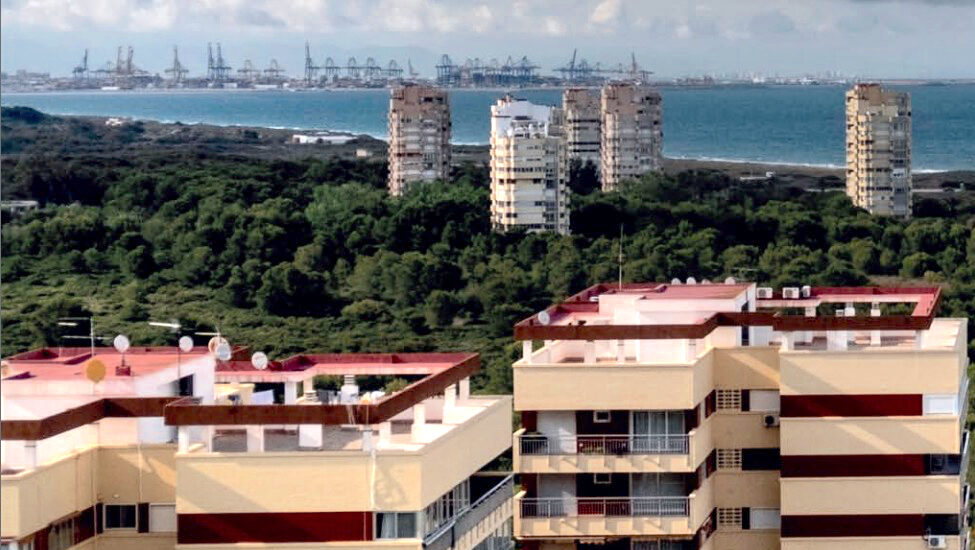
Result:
pixel 419 136
pixel 583 123
pixel 528 168
pixel 631 132
pixel 878 150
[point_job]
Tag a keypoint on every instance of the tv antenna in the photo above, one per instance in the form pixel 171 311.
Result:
pixel 73 322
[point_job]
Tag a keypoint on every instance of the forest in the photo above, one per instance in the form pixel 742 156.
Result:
pixel 287 256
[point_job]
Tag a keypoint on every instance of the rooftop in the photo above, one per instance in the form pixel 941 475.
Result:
pixel 70 363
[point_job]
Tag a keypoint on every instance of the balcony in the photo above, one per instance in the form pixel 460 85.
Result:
pixel 624 507
pixel 579 517
pixel 604 444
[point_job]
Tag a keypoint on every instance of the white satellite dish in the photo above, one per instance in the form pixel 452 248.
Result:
pixel 730 281
pixel 223 351
pixel 705 282
pixel 185 344
pixel 216 341
pixel 691 281
pixel 121 343
pixel 259 360
pixel 675 281
pixel 544 318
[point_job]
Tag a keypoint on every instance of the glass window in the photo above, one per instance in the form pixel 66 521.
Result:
pixel 406 525
pixel 396 525
pixel 120 516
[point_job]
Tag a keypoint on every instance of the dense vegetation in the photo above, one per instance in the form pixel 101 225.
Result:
pixel 287 256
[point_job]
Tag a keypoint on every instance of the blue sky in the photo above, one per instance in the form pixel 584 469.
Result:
pixel 867 38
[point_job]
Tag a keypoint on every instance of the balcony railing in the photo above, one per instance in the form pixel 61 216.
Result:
pixel 606 507
pixel 662 444
pixel 445 537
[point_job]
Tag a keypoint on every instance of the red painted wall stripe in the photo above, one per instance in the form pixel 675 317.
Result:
pixel 274 527
pixel 871 525
pixel 806 406
pixel 852 465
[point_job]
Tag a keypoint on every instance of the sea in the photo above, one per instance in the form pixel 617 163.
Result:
pixel 770 124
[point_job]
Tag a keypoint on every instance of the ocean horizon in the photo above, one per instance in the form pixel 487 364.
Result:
pixel 787 125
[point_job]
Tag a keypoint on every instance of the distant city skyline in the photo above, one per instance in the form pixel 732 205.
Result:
pixel 868 38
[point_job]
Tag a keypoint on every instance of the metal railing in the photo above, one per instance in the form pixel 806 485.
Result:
pixel 607 507
pixel 604 444
pixel 445 537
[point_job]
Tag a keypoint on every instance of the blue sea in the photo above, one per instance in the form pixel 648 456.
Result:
pixel 775 124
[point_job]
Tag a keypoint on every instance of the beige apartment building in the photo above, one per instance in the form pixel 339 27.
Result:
pixel 632 135
pixel 583 124
pixel 419 136
pixel 180 450
pixel 878 150
pixel 725 416
pixel 528 167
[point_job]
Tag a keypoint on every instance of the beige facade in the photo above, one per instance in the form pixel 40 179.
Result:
pixel 801 439
pixel 583 124
pixel 528 167
pixel 632 132
pixel 419 136
pixel 878 150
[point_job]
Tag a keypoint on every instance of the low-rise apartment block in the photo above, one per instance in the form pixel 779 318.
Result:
pixel 632 135
pixel 878 150
pixel 259 458
pixel 726 416
pixel 419 136
pixel 528 167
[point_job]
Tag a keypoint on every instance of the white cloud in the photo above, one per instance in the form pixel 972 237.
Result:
pixel 606 12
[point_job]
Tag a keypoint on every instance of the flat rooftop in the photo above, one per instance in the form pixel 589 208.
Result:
pixel 305 366
pixel 70 363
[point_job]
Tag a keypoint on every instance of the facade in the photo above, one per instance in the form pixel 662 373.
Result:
pixel 878 150
pixel 632 135
pixel 528 167
pixel 716 417
pixel 583 123
pixel 419 136
pixel 139 465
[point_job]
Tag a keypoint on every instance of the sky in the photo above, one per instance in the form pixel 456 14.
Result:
pixel 673 38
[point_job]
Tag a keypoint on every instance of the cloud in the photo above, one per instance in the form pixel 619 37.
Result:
pixel 771 22
pixel 606 12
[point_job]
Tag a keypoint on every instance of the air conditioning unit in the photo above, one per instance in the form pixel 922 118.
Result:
pixel 790 293
pixel 806 291
pixel 764 293
pixel 770 420
pixel 937 541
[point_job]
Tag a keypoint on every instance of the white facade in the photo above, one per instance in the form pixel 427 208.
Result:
pixel 528 169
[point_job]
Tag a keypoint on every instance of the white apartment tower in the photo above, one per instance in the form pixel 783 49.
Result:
pixel 583 123
pixel 878 150
pixel 631 132
pixel 528 168
pixel 419 136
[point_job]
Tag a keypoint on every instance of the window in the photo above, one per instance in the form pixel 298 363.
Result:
pixel 602 479
pixel 941 404
pixel 396 525
pixel 445 508
pixel 601 417
pixel 764 518
pixel 729 518
pixel 162 518
pixel 120 516
pixel 729 459
pixel 61 535
pixel 729 400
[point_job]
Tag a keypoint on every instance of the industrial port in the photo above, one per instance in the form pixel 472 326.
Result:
pixel 217 71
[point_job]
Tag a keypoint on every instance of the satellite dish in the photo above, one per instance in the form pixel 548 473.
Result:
pixel 705 282
pixel 95 370
pixel 544 318
pixel 121 343
pixel 216 341
pixel 223 351
pixel 730 281
pixel 185 344
pixel 259 360
pixel 675 281
pixel 691 281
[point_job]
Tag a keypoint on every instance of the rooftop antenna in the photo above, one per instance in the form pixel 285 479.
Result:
pixel 73 322
pixel 621 258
